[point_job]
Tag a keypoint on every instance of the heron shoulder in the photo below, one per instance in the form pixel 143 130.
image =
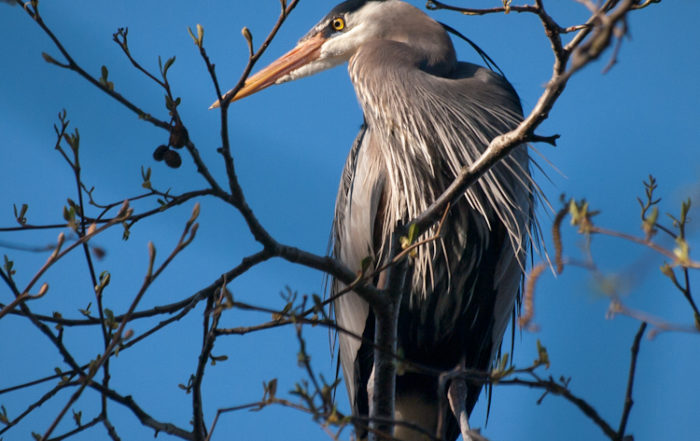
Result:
pixel 476 77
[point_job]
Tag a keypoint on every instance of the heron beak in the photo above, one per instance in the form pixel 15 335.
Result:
pixel 305 52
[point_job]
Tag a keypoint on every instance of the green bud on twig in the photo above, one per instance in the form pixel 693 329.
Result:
pixel 248 38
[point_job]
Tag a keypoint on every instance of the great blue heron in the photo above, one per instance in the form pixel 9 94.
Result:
pixel 426 116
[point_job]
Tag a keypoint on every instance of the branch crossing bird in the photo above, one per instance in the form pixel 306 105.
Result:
pixel 426 116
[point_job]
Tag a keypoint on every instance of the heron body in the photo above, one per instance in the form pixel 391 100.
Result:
pixel 426 116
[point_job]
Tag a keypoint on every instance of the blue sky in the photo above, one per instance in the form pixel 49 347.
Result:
pixel 290 143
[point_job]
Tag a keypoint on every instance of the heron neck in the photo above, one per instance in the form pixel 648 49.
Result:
pixel 385 74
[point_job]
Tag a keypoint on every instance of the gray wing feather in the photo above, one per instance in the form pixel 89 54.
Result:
pixel 356 208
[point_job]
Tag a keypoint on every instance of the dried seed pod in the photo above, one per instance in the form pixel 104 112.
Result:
pixel 172 159
pixel 159 152
pixel 178 136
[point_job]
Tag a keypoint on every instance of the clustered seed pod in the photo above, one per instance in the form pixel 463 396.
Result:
pixel 172 159
pixel 159 152
pixel 178 139
pixel 178 136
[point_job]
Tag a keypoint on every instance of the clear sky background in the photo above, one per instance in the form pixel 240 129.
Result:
pixel 290 143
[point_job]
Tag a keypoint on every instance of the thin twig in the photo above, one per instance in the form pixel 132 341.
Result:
pixel 630 382
pixel 185 304
pixel 648 243
pixel 36 404
pixel 33 11
pixel 185 239
pixel 22 298
pixel 81 428
pixel 145 418
pixel 557 389
pixel 123 214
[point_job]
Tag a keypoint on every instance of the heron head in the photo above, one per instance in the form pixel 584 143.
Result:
pixel 336 37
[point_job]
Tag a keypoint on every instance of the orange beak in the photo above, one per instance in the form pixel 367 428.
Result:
pixel 303 53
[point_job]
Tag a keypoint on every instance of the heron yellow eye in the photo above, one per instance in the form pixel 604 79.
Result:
pixel 338 24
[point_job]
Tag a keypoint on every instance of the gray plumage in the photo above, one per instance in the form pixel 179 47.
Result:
pixel 426 116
